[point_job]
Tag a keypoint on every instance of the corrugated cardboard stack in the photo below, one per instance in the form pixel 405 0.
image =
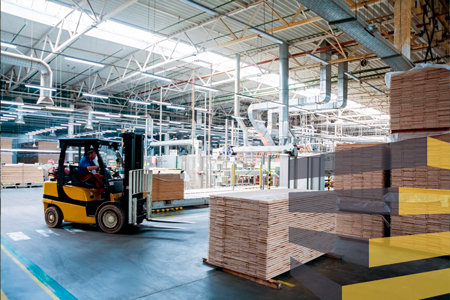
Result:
pixel 43 158
pixel 361 174
pixel 420 108
pixel 419 99
pixel 6 157
pixel 360 225
pixel 411 149
pixel 22 173
pixel 249 232
pixel 168 187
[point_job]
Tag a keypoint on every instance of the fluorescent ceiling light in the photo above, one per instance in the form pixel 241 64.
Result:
pixel 95 96
pixel 176 107
pixel 33 86
pixel 60 127
pixel 140 102
pixel 131 116
pixel 26 110
pixel 12 102
pixel 266 35
pixel 174 122
pixel 58 108
pixel 103 118
pixel 99 113
pixel 160 102
pixel 8 45
pixel 352 76
pixel 156 77
pixel 318 59
pixel 32 106
pixel 202 87
pixel 74 124
pixel 201 109
pixel 114 115
pixel 9 115
pixel 87 62
pixel 82 122
pixel 200 6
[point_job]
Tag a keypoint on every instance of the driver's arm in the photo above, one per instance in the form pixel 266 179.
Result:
pixel 91 168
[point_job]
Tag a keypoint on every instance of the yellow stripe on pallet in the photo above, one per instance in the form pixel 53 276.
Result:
pixel 438 153
pixel 41 285
pixel 286 283
pixel 398 249
pixel 416 201
pixel 416 286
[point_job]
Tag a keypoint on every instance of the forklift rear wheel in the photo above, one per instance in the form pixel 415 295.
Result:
pixel 53 217
pixel 111 218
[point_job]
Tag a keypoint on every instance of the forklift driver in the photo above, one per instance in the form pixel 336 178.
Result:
pixel 87 161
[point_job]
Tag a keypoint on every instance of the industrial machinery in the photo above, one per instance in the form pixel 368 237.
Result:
pixel 112 202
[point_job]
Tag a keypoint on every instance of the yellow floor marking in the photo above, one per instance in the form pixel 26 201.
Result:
pixel 398 249
pixel 418 201
pixel 4 296
pixel 286 283
pixel 41 285
pixel 438 154
pixel 416 286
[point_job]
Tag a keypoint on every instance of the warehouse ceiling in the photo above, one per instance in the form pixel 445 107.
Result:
pixel 186 44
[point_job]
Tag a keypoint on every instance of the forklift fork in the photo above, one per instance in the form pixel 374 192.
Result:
pixel 141 183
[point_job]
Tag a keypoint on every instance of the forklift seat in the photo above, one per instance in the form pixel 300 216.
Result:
pixel 75 179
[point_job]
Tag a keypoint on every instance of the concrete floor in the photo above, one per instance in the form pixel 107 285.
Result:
pixel 85 263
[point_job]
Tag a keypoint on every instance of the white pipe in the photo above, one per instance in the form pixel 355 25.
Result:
pixel 33 63
pixel 237 106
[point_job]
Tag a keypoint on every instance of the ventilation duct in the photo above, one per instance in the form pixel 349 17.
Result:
pixel 337 14
pixel 237 106
pixel 309 103
pixel 89 122
pixel 19 119
pixel 325 79
pixel 33 63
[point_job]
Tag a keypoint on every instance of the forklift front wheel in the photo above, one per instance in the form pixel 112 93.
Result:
pixel 53 217
pixel 111 218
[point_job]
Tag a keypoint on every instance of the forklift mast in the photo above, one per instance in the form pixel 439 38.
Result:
pixel 133 156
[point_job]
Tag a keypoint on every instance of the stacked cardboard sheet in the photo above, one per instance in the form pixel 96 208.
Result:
pixel 419 224
pixel 361 176
pixel 361 169
pixel 249 231
pixel 6 157
pixel 360 225
pixel 414 151
pixel 419 99
pixel 168 187
pixel 21 173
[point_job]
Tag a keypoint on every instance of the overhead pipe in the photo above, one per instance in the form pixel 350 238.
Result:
pixel 342 93
pixel 237 104
pixel 308 103
pixel 284 95
pixel 338 14
pixel 325 79
pixel 33 63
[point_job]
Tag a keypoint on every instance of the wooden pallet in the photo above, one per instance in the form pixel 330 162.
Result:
pixel 269 282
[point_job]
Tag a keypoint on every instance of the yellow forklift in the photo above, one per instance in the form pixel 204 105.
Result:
pixel 113 203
